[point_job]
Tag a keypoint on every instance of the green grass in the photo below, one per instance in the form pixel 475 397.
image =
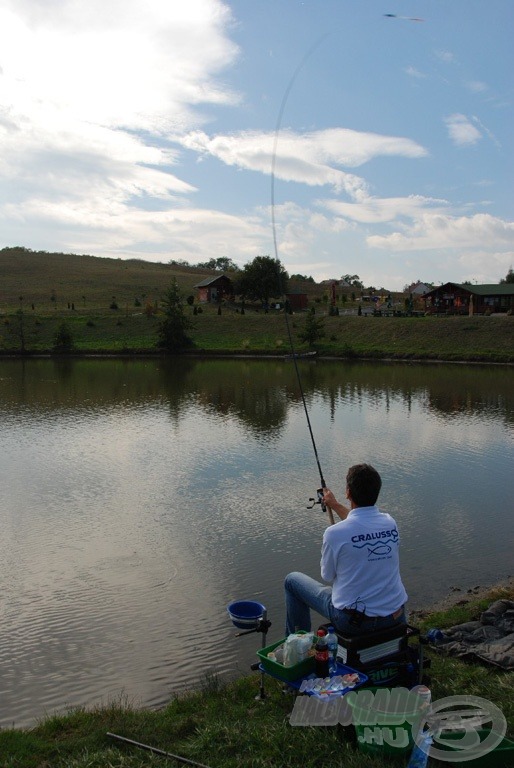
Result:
pixel 485 339
pixel 223 726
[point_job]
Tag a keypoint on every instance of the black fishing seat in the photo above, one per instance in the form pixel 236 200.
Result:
pixel 385 656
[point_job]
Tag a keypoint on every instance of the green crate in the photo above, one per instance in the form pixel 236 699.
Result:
pixel 389 736
pixel 502 756
pixel 275 669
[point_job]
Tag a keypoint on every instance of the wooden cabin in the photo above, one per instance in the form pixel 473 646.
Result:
pixel 215 289
pixel 467 299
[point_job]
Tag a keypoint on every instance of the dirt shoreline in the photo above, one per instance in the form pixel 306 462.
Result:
pixel 458 596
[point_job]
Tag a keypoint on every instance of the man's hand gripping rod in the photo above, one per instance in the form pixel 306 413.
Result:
pixel 319 500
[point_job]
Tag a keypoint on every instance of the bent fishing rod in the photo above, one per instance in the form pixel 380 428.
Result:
pixel 319 497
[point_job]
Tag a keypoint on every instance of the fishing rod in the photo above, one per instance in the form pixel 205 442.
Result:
pixel 319 492
pixel 156 750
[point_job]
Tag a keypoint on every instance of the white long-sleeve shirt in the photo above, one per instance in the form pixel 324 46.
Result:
pixel 360 558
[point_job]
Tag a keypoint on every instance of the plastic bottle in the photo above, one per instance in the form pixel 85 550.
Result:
pixel 425 695
pixel 420 752
pixel 332 643
pixel 435 636
pixel 321 655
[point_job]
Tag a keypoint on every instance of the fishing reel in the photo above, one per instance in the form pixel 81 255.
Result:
pixel 318 500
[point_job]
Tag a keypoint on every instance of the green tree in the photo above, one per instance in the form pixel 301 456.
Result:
pixel 313 330
pixel 353 280
pixel 63 339
pixel 222 263
pixel 173 328
pixel 509 278
pixel 262 279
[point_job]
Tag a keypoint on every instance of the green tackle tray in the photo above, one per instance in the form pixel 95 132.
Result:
pixel 275 669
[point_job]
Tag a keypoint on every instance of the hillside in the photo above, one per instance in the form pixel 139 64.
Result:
pixel 86 281
pixel 92 281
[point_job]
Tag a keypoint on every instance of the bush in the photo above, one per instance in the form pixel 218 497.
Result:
pixel 348 351
pixel 63 339
pixel 173 336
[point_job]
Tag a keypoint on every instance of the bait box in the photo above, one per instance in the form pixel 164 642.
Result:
pixel 274 668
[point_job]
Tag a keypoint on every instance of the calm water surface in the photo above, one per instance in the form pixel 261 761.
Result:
pixel 140 497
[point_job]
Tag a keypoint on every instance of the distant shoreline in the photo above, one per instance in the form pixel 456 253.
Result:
pixel 204 354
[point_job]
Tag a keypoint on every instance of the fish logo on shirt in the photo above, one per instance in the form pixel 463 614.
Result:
pixel 380 549
pixel 378 543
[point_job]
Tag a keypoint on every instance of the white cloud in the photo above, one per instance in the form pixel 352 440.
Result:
pixel 87 93
pixel 373 210
pixel 461 130
pixel 447 56
pixel 436 230
pixel 114 64
pixel 476 86
pixel 413 72
pixel 60 158
pixel 114 230
pixel 483 266
pixel 78 81
pixel 486 130
pixel 305 158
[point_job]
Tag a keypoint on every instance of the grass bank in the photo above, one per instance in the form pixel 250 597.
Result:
pixel 480 339
pixel 222 726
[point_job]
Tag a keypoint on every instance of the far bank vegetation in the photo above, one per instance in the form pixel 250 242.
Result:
pixel 118 306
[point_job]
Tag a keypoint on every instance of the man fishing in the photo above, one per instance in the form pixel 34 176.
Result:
pixel 359 562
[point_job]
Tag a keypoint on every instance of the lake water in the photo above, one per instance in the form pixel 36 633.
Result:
pixel 139 497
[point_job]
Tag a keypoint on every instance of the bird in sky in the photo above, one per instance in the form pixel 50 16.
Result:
pixel 407 18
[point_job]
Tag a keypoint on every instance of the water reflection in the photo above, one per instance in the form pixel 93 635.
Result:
pixel 257 392
pixel 141 496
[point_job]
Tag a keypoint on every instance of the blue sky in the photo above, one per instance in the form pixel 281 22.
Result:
pixel 146 129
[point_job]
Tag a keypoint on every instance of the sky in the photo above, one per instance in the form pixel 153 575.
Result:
pixel 324 132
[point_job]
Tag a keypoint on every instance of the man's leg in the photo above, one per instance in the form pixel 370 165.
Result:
pixel 302 594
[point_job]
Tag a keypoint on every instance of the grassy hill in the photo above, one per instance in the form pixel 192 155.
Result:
pixel 52 280
pixel 91 281
pixel 112 306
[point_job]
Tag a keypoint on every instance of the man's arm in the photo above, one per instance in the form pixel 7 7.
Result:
pixel 332 504
pixel 327 564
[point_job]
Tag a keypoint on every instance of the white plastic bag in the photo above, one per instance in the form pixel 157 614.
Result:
pixel 297 647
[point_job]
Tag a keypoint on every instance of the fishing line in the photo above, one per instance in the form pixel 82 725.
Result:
pixel 275 246
pixel 274 229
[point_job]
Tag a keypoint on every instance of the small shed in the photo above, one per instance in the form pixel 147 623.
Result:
pixel 457 298
pixel 215 289
pixel 297 300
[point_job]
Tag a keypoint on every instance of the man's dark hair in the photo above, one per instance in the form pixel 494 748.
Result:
pixel 364 484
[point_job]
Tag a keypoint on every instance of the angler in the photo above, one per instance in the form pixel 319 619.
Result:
pixel 363 592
